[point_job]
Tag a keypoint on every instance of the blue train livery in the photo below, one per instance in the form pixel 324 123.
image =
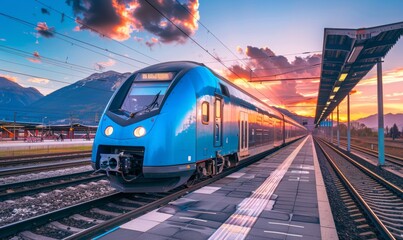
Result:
pixel 173 123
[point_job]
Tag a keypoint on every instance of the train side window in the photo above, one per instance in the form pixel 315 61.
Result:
pixel 205 113
pixel 217 108
pixel 224 90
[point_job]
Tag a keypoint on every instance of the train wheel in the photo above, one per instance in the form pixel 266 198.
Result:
pixel 192 180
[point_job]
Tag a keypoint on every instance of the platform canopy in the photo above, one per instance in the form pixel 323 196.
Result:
pixel 347 56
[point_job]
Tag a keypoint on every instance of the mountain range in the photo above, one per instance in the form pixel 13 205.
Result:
pixel 389 119
pixel 84 100
pixel 15 96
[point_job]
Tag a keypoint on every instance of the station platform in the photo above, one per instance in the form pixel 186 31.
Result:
pixel 280 197
pixel 21 145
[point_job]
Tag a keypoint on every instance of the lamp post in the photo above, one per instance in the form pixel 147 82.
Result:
pixel 43 122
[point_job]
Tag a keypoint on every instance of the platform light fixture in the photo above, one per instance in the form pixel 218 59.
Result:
pixel 335 89
pixel 342 77
pixel 354 54
pixel 331 96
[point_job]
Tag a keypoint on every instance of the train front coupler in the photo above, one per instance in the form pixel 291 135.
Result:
pixel 123 164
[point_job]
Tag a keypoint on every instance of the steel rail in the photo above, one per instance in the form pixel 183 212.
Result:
pixel 41 167
pixel 354 192
pixel 47 158
pixel 45 155
pixel 391 158
pixel 109 224
pixel 375 176
pixel 33 222
pixel 80 178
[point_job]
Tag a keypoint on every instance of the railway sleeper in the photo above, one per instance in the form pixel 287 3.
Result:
pixel 34 236
pixel 79 217
pixel 64 227
pixel 105 213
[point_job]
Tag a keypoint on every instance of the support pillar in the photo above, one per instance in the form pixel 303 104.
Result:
pixel 331 129
pixel 348 124
pixel 381 137
pixel 338 128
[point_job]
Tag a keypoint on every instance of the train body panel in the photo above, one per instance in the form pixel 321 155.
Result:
pixel 178 121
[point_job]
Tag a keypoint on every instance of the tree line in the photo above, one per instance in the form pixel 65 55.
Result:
pixel 360 130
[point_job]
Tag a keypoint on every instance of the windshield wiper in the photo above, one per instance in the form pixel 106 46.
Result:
pixel 127 113
pixel 148 108
pixel 153 103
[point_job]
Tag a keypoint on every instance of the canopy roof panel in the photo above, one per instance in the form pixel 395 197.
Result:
pixel 347 56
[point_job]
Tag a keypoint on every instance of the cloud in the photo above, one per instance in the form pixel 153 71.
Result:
pixel 388 77
pixel 119 18
pixel 45 31
pixel 103 65
pixel 151 43
pixel 36 58
pixel 39 80
pixel 138 39
pixel 239 50
pixel 9 77
pixel 266 65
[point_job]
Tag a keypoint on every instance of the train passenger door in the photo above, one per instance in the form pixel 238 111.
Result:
pixel 243 134
pixel 218 122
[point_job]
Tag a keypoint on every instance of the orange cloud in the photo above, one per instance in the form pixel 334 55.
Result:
pixel 102 65
pixel 43 30
pixel 39 80
pixel 9 77
pixel 36 58
pixel 118 19
pixel 392 76
pixel 269 67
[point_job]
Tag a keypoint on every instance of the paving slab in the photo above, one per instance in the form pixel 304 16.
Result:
pixel 280 197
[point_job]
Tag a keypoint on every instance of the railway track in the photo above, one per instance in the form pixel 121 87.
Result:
pixel 88 219
pixel 42 167
pixel 388 157
pixel 11 161
pixel 13 190
pixel 370 199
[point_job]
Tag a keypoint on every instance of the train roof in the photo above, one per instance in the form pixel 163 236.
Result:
pixel 175 66
pixel 178 66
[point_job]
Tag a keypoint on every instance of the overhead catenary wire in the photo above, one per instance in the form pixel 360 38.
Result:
pixel 61 113
pixel 287 54
pixel 108 56
pixel 203 48
pixel 75 39
pixel 294 70
pixel 225 46
pixel 285 79
pixel 42 69
pixel 49 60
pixel 96 30
pixel 50 79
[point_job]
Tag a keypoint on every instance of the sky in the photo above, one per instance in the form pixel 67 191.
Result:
pixel 48 44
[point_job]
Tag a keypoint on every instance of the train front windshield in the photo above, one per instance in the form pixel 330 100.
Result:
pixel 144 97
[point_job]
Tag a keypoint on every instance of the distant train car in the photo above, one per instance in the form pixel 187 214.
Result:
pixel 172 123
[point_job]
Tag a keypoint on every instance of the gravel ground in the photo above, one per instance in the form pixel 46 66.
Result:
pixel 344 224
pixel 34 176
pixel 29 206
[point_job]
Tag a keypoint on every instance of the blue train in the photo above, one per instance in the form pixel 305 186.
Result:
pixel 172 123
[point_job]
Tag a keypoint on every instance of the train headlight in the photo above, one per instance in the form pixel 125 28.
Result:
pixel 139 132
pixel 108 130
